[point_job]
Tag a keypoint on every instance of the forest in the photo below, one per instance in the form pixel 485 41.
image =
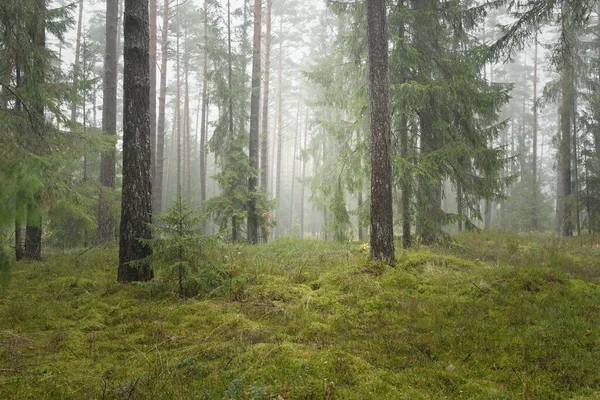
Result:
pixel 286 199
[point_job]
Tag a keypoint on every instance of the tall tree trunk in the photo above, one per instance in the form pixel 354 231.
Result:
pixel 178 106
pixel 534 211
pixel 187 133
pixel 279 127
pixel 152 61
pixel 264 143
pixel 406 185
pixel 33 229
pixel 157 193
pixel 136 203
pixel 76 64
pixel 254 135
pixel 106 221
pixel 565 223
pixel 304 146
pixel 295 155
pixel 204 112
pixel 382 221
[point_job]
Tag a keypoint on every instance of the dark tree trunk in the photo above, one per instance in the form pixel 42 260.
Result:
pixel 254 116
pixel 33 236
pixel 264 143
pixel 382 222
pixel 136 206
pixel 406 186
pixel 19 251
pixel 106 221
pixel 157 193
pixel 33 229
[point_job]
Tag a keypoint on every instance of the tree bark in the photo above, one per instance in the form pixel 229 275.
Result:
pixel 534 220
pixel 136 205
pixel 304 146
pixel 382 228
pixel 106 221
pixel 204 112
pixel 157 193
pixel 152 61
pixel 254 135
pixel 565 224
pixel 264 144
pixel 279 127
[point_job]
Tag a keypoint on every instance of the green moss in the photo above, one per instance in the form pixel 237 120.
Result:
pixel 314 316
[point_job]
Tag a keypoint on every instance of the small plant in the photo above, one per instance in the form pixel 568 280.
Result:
pixel 178 241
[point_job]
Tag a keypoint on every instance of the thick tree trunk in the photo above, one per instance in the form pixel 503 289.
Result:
pixel 136 205
pixel 157 193
pixel 264 143
pixel 382 221
pixel 106 221
pixel 254 135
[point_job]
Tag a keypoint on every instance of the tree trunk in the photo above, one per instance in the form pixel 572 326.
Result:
pixel 565 223
pixel 279 127
pixel 204 112
pixel 254 136
pixel 264 144
pixel 106 221
pixel 19 250
pixel 152 61
pixel 187 133
pixel 295 155
pixel 33 229
pixel 136 204
pixel 304 146
pixel 76 64
pixel 382 221
pixel 178 107
pixel 534 211
pixel 157 193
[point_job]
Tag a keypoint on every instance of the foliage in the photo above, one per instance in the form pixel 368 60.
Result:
pixel 179 246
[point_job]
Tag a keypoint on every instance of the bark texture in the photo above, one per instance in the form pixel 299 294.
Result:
pixel 106 221
pixel 157 183
pixel 382 228
pixel 254 116
pixel 136 206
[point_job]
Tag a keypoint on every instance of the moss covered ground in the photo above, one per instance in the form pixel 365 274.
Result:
pixel 492 316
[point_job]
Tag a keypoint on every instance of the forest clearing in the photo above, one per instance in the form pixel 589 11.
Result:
pixel 492 316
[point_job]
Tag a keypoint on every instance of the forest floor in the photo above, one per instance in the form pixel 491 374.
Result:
pixel 492 316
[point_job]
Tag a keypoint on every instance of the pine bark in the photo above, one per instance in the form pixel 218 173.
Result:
pixel 204 110
pixel 136 205
pixel 534 211
pixel 382 228
pixel 565 223
pixel 264 143
pixel 106 221
pixel 279 126
pixel 33 229
pixel 304 146
pixel 294 163
pixel 152 61
pixel 157 193
pixel 76 64
pixel 254 119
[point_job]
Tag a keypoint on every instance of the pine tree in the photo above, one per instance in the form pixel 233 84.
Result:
pixel 136 205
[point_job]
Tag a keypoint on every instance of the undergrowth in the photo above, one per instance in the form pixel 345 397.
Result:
pixel 490 317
